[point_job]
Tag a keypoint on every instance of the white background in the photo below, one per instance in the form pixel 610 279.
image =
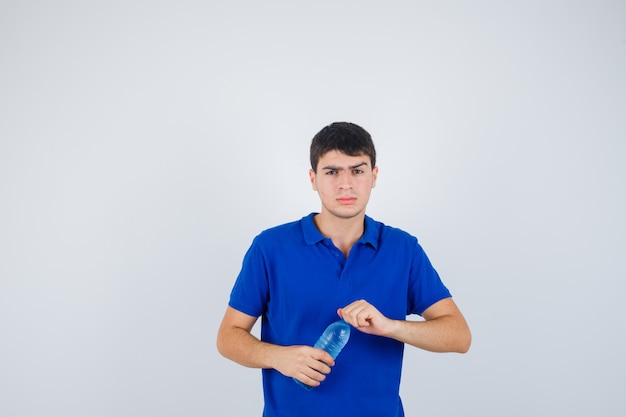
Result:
pixel 143 144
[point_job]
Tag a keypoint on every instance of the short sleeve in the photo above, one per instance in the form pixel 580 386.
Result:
pixel 250 292
pixel 425 285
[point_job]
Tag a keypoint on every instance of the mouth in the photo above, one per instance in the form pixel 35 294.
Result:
pixel 346 200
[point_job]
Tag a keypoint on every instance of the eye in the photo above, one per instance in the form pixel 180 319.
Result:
pixel 358 171
pixel 331 172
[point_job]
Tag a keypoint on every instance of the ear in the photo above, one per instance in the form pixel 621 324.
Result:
pixel 312 179
pixel 374 176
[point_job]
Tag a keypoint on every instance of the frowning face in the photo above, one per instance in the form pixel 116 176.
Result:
pixel 344 183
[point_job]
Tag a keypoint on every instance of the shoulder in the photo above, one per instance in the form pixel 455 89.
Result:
pixel 281 233
pixel 391 234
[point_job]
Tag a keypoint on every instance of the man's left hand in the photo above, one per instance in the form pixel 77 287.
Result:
pixel 366 318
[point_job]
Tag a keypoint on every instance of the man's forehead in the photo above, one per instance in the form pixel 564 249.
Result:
pixel 335 157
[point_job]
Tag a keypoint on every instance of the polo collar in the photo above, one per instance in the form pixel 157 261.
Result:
pixel 312 235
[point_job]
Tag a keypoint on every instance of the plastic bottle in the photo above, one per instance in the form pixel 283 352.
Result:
pixel 332 341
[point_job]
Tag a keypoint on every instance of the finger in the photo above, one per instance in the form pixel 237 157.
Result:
pixel 320 368
pixel 305 379
pixel 362 317
pixel 323 357
pixel 355 306
pixel 347 314
pixel 314 373
pixel 359 315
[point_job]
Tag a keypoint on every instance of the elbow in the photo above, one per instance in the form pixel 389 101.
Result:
pixel 463 337
pixel 464 348
pixel 464 342
pixel 220 347
pixel 221 344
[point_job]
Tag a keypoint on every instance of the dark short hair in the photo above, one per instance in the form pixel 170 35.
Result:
pixel 345 137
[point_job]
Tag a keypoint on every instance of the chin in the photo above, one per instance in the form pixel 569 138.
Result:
pixel 347 213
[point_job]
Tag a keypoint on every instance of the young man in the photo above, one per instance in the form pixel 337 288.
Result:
pixel 302 276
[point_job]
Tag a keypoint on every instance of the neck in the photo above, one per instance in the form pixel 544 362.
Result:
pixel 343 232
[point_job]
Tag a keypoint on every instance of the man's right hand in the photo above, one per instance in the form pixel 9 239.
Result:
pixel 307 364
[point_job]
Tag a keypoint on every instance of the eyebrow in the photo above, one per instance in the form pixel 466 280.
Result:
pixel 336 168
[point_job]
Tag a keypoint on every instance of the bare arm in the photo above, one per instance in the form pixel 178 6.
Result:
pixel 443 330
pixel 235 342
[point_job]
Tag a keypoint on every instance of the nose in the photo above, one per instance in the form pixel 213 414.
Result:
pixel 345 180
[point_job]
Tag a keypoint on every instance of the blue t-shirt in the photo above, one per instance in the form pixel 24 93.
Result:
pixel 296 279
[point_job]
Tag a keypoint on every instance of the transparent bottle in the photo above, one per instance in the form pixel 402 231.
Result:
pixel 332 341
